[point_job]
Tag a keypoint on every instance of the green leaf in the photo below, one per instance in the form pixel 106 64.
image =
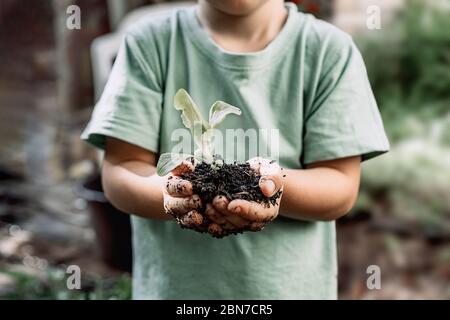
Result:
pixel 169 161
pixel 189 110
pixel 206 146
pixel 197 134
pixel 219 111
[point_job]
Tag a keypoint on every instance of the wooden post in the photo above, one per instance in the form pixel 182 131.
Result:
pixel 73 50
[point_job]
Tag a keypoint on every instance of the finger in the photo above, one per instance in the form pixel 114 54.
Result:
pixel 185 167
pixel 253 211
pixel 177 187
pixel 218 218
pixel 257 226
pixel 192 219
pixel 271 178
pixel 256 163
pixel 216 230
pixel 270 185
pixel 213 215
pixel 179 206
pixel 220 203
pixel 269 168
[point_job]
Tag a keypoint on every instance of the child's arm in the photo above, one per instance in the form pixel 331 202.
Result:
pixel 130 181
pixel 131 184
pixel 324 191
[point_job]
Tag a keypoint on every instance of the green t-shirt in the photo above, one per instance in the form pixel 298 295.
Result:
pixel 310 83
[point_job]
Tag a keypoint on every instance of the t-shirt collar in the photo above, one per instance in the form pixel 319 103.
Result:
pixel 231 60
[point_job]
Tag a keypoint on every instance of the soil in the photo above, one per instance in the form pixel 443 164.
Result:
pixel 235 181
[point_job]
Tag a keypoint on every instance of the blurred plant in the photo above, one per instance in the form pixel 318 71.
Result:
pixel 53 287
pixel 415 179
pixel 408 64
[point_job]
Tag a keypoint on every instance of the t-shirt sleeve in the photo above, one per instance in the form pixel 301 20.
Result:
pixel 343 118
pixel 131 104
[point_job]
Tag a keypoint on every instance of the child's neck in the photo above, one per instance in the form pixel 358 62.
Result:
pixel 246 33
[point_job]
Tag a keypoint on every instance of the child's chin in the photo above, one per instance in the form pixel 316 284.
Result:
pixel 236 7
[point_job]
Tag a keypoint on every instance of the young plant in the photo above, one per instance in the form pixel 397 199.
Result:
pixel 202 131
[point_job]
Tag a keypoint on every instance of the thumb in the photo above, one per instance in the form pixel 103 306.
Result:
pixel 270 184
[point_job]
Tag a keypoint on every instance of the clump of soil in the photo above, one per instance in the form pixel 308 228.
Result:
pixel 234 181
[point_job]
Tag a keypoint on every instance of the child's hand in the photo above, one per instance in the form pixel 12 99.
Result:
pixel 222 216
pixel 179 200
pixel 248 214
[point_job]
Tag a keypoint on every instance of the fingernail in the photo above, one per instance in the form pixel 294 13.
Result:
pixel 237 209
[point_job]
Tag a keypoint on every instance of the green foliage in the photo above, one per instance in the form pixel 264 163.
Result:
pixel 415 177
pixel 408 63
pixel 218 112
pixel 189 110
pixel 52 286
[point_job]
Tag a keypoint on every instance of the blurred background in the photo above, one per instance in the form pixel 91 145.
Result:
pixel 52 210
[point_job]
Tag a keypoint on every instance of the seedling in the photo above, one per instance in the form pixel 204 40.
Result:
pixel 202 131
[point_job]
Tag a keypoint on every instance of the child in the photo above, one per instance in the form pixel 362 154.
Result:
pixel 286 71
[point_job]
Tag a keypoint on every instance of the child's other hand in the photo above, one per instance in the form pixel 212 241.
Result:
pixel 179 199
pixel 271 180
pixel 249 214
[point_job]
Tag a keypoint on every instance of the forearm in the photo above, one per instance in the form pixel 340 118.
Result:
pixel 318 194
pixel 135 188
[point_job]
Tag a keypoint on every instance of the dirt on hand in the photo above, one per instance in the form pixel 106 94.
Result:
pixel 234 181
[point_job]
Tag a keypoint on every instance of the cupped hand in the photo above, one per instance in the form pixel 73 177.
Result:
pixel 222 216
pixel 241 214
pixel 180 200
